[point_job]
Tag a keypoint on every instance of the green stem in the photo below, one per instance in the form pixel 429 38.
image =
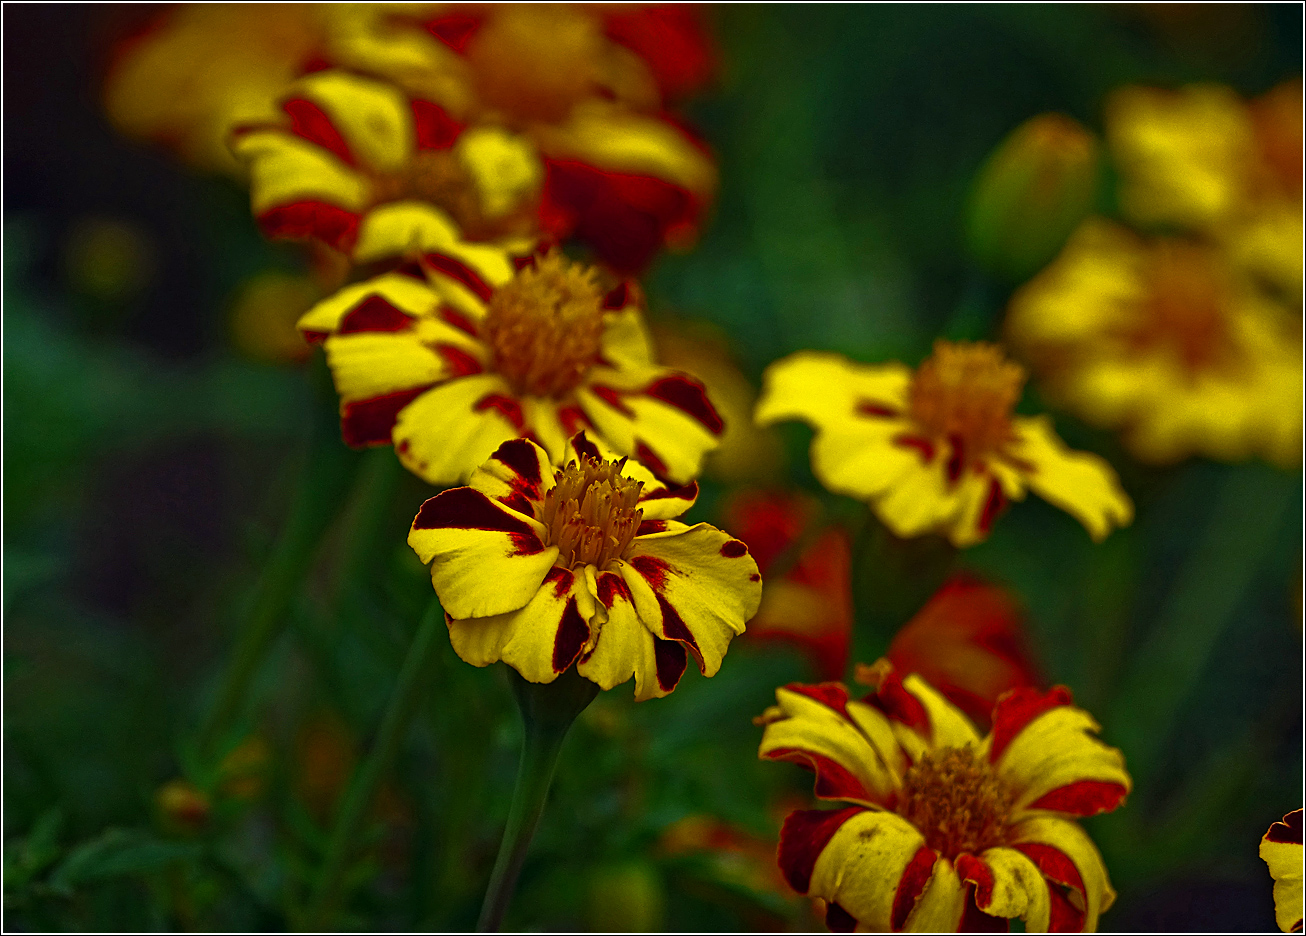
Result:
pixel 547 713
pixel 329 469
pixel 367 778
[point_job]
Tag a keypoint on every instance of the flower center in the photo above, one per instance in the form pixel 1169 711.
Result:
pixel 956 801
pixel 590 513
pixel 534 61
pixel 964 392
pixel 544 326
pixel 1184 309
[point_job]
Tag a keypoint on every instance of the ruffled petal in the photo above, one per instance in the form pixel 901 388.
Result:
pixel 410 296
pixel 517 474
pixel 1046 750
pixel 948 726
pixel 285 169
pixel 373 117
pixel 1281 850
pixel 539 640
pixel 1066 856
pixel 402 228
pixel 941 903
pixel 693 584
pixel 1080 483
pixel 1008 884
pixel 445 434
pixel 625 647
pixel 848 745
pixel 485 558
pixel 825 389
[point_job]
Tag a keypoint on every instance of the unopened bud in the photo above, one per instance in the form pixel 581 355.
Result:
pixel 1035 188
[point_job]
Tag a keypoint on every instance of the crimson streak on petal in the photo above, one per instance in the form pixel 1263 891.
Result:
pixel 375 313
pixel 671 660
pixel 370 422
pixel 467 509
pixel 571 637
pixel 688 396
pixel 802 839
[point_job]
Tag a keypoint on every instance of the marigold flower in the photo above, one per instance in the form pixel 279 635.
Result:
pixel 203 68
pixel 938 449
pixel 948 830
pixel 810 602
pixel 358 165
pixel 582 82
pixel 1167 341
pixel 486 347
pixel 1281 850
pixel 968 642
pixel 543 568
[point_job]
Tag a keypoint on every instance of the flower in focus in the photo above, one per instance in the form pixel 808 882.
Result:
pixel 203 68
pixel 807 599
pixel 937 450
pixel 453 357
pixel 948 830
pixel 1281 850
pixel 1166 341
pixel 585 83
pixel 967 642
pixel 356 164
pixel 1204 159
pixel 543 568
pixel 1032 192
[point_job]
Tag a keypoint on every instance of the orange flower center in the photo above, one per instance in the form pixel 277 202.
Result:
pixel 964 393
pixel 1184 310
pixel 534 61
pixel 544 326
pixel 590 513
pixel 956 801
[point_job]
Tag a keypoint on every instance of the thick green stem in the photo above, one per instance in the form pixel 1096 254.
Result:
pixel 367 778
pixel 328 472
pixel 547 713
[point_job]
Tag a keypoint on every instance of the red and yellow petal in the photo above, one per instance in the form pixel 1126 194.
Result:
pixel 517 474
pixel 1281 850
pixel 1046 750
pixel 373 118
pixel 446 433
pixel 696 585
pixel 920 716
pixel 849 745
pixel 1079 890
pixel 286 170
pixel 624 647
pixel 625 343
pixel 1080 483
pixel 410 296
pixel 486 559
pixel 826 390
pixel 541 639
pixel 1009 884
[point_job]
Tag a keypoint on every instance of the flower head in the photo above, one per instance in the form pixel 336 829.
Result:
pixel 543 567
pixel 938 449
pixel 356 164
pixel 455 354
pixel 1167 341
pixel 1281 850
pixel 947 828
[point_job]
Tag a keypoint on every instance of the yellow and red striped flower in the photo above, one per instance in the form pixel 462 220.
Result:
pixel 1281 850
pixel 584 565
pixel 451 356
pixel 585 83
pixel 948 831
pixel 358 165
pixel 937 450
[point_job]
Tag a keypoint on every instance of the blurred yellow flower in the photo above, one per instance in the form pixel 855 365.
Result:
pixel 203 68
pixel 264 313
pixel 1202 158
pixel 1167 341
pixel 1281 850
pixel 949 830
pixel 937 450
pixel 451 357
pixel 585 564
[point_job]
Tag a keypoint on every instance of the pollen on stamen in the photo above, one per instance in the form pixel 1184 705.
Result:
pixel 964 393
pixel 956 801
pixel 545 326
pixel 590 514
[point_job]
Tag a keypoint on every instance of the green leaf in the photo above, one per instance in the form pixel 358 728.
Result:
pixel 118 852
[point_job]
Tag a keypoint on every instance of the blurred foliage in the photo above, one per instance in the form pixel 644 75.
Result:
pixel 148 468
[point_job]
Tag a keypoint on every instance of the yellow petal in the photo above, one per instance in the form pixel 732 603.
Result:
pixel 373 117
pixel 625 343
pixel 1073 843
pixel 1080 483
pixel 505 169
pixel 371 364
pixel 948 726
pixel 1281 850
pixel 409 295
pixel 1056 750
pixel 443 437
pixel 1009 884
pixel 284 169
pixel 485 557
pixel 941 903
pixel 518 469
pixel 825 389
pixel 695 584
pixel 401 228
pixel 863 863
pixel 625 647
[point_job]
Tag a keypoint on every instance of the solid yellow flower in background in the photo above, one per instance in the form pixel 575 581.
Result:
pixel 358 165
pixel 585 564
pixel 1168 342
pixel 938 449
pixel 1281 850
pixel 451 358
pixel 949 830
pixel 203 68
